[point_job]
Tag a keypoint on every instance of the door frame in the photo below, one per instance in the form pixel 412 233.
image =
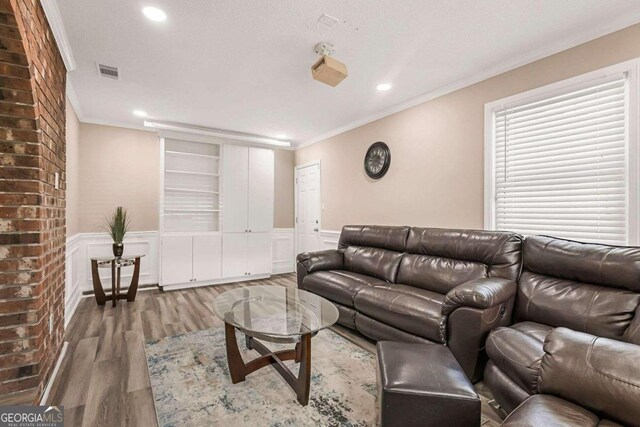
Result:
pixel 295 203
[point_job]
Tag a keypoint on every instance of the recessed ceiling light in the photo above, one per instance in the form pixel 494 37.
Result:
pixel 383 86
pixel 139 113
pixel 154 14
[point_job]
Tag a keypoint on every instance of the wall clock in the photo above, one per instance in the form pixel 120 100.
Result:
pixel 377 160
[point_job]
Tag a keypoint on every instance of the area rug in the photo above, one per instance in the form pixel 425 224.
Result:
pixel 191 384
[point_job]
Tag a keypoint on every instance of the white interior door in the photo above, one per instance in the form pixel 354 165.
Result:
pixel 207 257
pixel 177 256
pixel 261 174
pixel 259 253
pixel 307 207
pixel 235 177
pixel 234 255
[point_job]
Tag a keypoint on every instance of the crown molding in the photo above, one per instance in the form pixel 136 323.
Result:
pixel 527 58
pixel 57 27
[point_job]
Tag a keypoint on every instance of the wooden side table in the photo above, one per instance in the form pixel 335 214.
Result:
pixel 116 264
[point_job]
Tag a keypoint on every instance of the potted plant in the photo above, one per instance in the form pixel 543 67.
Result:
pixel 117 226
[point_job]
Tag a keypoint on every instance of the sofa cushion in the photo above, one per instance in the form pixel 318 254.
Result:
pixel 604 265
pixel 374 236
pixel 501 252
pixel 517 350
pixel 550 411
pixel 594 309
pixel 438 274
pixel 380 263
pixel 338 285
pixel 407 308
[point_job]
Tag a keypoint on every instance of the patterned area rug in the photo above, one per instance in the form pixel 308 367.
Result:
pixel 191 384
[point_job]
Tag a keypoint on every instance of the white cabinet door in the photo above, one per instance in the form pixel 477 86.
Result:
pixel 259 253
pixel 261 165
pixel 176 253
pixel 207 257
pixel 234 254
pixel 235 177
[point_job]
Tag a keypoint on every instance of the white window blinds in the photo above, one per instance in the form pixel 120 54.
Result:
pixel 560 163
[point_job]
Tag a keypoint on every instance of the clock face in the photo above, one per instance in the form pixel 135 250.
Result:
pixel 377 160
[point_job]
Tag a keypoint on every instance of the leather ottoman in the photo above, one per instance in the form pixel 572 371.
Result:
pixel 423 385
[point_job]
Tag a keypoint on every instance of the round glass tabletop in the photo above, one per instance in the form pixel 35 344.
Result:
pixel 275 310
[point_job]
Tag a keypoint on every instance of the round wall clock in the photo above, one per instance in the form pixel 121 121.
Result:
pixel 377 160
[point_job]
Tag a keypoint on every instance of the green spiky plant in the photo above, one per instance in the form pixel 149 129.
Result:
pixel 117 225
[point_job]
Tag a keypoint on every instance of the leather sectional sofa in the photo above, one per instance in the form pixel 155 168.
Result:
pixel 589 288
pixel 560 319
pixel 420 285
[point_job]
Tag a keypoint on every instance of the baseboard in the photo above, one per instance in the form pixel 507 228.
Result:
pixel 54 374
pixel 214 282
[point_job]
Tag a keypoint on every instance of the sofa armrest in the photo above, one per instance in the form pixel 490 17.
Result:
pixel 308 262
pixel 600 374
pixel 480 293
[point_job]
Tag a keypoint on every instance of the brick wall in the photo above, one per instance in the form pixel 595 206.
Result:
pixel 32 211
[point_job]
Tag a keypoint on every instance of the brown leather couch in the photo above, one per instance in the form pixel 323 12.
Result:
pixel 589 288
pixel 583 380
pixel 419 285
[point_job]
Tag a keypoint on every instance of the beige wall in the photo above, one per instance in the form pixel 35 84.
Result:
pixel 437 148
pixel 72 177
pixel 118 167
pixel 284 167
pixel 121 167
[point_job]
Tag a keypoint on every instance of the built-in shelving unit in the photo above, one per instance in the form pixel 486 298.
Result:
pixel 191 186
pixel 216 212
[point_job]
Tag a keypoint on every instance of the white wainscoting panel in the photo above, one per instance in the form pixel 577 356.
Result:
pixel 72 292
pixel 82 246
pixel 328 239
pixel 283 250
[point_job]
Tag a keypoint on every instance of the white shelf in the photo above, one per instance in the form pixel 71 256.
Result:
pixel 192 173
pixel 190 190
pixel 181 153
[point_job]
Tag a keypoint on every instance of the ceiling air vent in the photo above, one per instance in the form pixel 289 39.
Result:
pixel 109 71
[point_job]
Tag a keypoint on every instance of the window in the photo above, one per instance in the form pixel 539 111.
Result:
pixel 562 160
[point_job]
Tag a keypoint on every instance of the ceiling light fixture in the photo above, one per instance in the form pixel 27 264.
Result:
pixel 154 14
pixel 200 130
pixel 383 87
pixel 139 113
pixel 281 136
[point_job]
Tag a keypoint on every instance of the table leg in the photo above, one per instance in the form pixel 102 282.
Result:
pixel 236 364
pixel 101 298
pixel 133 287
pixel 113 283
pixel 304 375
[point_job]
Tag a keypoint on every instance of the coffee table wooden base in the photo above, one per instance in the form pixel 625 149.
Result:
pixel 301 353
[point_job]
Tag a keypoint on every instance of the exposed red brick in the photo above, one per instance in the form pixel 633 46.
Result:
pixel 32 211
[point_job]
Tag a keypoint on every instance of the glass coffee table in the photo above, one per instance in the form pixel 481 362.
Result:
pixel 279 315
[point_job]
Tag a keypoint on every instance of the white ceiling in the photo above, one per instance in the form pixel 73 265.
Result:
pixel 243 65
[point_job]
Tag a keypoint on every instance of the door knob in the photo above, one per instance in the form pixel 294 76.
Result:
pixel 315 229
